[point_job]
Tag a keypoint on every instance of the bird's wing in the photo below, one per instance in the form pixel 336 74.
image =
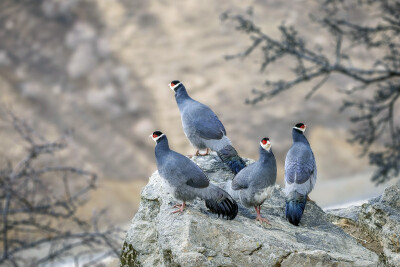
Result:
pixel 299 165
pixel 206 123
pixel 241 180
pixel 189 172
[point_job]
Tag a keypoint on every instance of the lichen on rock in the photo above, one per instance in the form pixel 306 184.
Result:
pixel 198 238
pixel 376 225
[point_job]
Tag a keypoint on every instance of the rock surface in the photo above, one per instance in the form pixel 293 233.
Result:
pixel 197 238
pixel 375 224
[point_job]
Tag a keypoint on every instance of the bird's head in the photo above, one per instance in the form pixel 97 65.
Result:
pixel 156 136
pixel 265 143
pixel 174 85
pixel 300 127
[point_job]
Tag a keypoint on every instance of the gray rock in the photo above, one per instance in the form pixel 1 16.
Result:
pixel 197 238
pixel 348 213
pixel 377 224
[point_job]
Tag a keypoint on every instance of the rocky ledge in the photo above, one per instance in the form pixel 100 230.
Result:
pixel 364 236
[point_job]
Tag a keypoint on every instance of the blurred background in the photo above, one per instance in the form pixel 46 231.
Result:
pixel 100 70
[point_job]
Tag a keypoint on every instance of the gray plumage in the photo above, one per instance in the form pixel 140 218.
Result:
pixel 300 175
pixel 203 128
pixel 187 181
pixel 300 166
pixel 255 183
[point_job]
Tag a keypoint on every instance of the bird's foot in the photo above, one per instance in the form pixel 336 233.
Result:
pixel 262 220
pixel 259 217
pixel 180 207
pixel 202 153
pixel 309 199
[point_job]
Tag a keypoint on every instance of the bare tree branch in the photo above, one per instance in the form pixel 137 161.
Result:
pixel 376 120
pixel 39 207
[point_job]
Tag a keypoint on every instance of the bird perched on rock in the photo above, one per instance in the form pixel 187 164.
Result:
pixel 203 128
pixel 255 183
pixel 300 174
pixel 187 181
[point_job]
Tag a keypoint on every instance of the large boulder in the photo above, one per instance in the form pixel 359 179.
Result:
pixel 375 225
pixel 198 238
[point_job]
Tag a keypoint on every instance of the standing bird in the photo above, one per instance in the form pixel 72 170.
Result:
pixel 300 174
pixel 187 181
pixel 203 128
pixel 254 184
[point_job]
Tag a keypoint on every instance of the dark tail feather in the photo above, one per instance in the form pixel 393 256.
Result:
pixel 295 204
pixel 230 157
pixel 220 202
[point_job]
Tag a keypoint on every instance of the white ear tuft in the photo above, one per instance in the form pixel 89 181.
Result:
pixel 173 86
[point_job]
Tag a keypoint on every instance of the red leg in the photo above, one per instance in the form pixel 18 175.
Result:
pixel 259 218
pixel 180 206
pixel 195 154
pixel 309 199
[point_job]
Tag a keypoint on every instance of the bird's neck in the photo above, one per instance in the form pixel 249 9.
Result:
pixel 265 155
pixel 181 95
pixel 298 136
pixel 162 147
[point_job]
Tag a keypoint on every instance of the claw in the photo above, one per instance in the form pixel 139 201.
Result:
pixel 309 199
pixel 262 219
pixel 180 206
pixel 259 217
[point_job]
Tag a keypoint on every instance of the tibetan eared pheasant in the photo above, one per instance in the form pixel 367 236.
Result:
pixel 187 181
pixel 203 128
pixel 300 174
pixel 255 183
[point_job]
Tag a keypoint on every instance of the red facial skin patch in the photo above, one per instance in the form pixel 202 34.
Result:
pixel 264 142
pixel 155 136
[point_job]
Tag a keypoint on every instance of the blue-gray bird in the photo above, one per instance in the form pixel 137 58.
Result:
pixel 255 183
pixel 187 181
pixel 300 174
pixel 203 128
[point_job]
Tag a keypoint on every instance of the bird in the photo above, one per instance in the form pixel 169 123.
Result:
pixel 203 128
pixel 187 181
pixel 300 174
pixel 255 183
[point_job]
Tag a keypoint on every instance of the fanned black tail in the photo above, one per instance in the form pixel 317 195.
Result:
pixel 220 202
pixel 230 157
pixel 295 204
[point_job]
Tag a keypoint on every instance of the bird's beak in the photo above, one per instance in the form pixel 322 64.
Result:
pixel 151 136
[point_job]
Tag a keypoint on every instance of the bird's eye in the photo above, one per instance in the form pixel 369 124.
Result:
pixel 155 136
pixel 172 84
pixel 264 141
pixel 302 126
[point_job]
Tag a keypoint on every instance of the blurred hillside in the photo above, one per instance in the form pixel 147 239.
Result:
pixel 101 69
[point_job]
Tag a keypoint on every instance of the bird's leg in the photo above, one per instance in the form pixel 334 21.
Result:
pixel 195 154
pixel 309 199
pixel 259 218
pixel 203 154
pixel 180 206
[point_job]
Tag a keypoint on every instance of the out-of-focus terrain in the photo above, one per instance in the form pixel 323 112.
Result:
pixel 101 69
